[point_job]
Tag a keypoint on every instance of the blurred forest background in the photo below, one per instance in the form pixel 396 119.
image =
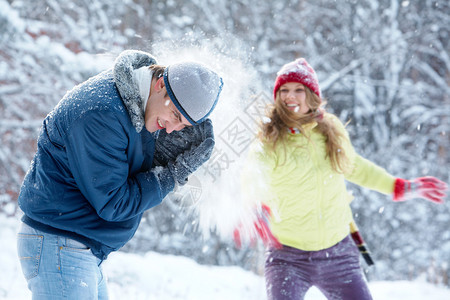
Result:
pixel 383 64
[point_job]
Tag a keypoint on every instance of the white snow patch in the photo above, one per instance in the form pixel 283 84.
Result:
pixel 157 276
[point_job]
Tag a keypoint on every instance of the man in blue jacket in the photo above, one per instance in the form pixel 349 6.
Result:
pixel 112 148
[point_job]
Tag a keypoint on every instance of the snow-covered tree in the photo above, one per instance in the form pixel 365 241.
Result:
pixel 384 65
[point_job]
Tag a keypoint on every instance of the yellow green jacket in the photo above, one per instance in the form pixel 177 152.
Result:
pixel 309 200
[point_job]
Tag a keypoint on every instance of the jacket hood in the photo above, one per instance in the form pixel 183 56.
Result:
pixel 124 65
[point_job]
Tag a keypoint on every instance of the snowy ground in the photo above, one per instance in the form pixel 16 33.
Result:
pixel 156 276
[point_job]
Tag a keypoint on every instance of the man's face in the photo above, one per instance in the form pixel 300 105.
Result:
pixel 160 111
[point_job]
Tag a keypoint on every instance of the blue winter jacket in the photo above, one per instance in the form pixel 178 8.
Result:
pixel 89 179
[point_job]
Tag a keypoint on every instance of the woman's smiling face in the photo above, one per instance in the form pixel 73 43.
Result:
pixel 294 97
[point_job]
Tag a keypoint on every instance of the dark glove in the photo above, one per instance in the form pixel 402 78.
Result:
pixel 429 188
pixel 184 151
pixel 261 226
pixel 168 146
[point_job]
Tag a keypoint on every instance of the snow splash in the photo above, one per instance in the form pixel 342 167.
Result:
pixel 215 192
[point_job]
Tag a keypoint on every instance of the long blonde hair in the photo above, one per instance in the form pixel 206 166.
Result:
pixel 281 118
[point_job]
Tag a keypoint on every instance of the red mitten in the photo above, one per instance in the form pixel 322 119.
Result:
pixel 429 188
pixel 237 237
pixel 261 226
pixel 263 230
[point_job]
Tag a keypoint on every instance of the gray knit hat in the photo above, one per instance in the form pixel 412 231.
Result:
pixel 193 88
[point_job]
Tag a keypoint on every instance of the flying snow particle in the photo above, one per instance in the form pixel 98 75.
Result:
pixel 266 120
pixel 167 103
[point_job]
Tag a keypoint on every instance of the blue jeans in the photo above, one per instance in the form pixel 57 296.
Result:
pixel 57 267
pixel 335 271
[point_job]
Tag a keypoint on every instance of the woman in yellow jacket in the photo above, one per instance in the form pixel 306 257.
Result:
pixel 307 155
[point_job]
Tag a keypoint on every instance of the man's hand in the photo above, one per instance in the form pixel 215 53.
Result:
pixel 184 151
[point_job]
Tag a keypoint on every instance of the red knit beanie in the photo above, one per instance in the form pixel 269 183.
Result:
pixel 297 71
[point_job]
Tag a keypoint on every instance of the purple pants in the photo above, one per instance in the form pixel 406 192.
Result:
pixel 335 271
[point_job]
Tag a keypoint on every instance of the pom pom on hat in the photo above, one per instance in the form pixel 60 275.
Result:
pixel 297 71
pixel 193 88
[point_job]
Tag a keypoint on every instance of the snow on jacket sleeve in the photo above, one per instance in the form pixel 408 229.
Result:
pixel 97 153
